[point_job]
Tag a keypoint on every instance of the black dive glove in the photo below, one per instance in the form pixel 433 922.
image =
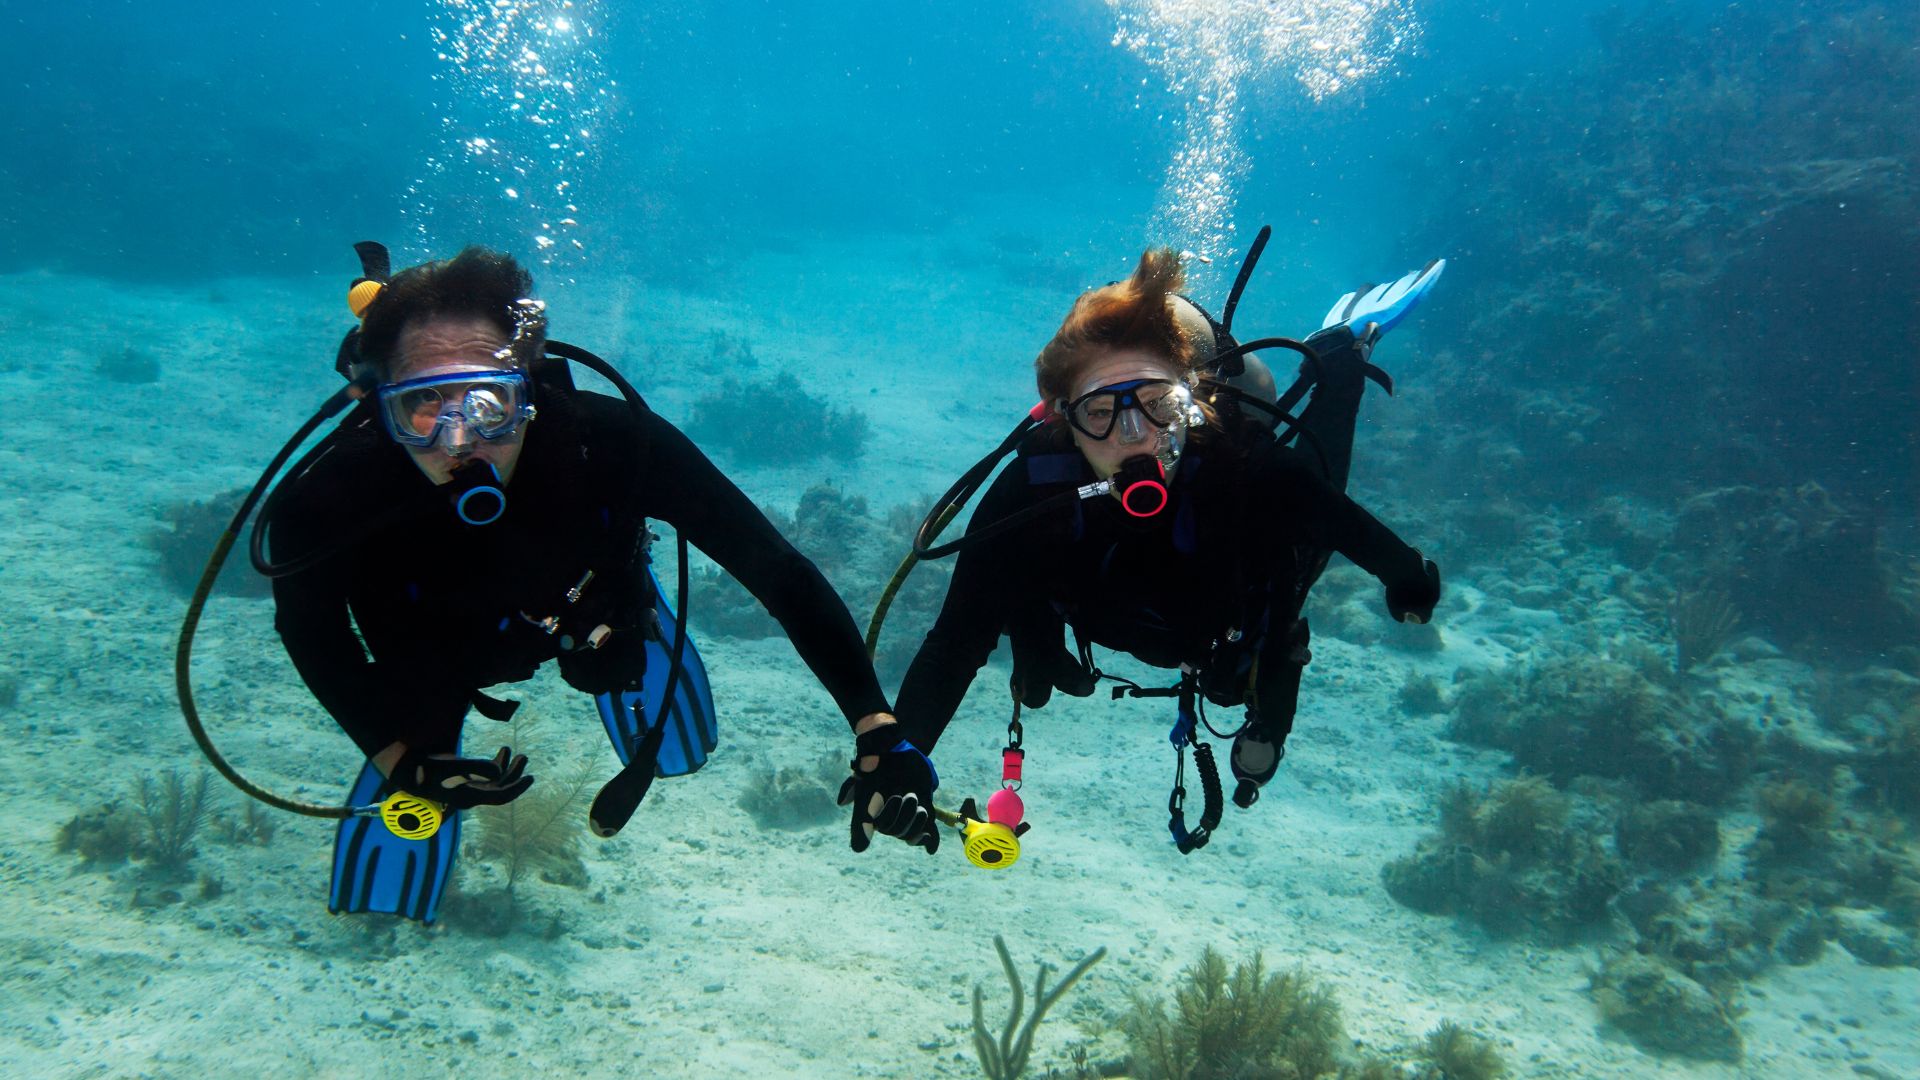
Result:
pixel 896 798
pixel 459 783
pixel 1413 601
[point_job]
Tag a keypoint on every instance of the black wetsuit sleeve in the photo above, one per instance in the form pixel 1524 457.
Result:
pixel 971 620
pixel 1297 503
pixel 678 485
pixel 376 704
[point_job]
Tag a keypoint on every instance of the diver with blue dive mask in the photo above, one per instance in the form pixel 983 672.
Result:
pixel 458 410
pixel 472 517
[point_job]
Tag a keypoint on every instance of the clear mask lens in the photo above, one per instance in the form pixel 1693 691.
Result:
pixel 1157 402
pixel 465 403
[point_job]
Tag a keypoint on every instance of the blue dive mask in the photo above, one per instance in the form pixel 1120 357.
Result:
pixel 489 404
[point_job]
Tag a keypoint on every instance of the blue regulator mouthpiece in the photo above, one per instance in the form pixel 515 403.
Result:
pixel 478 495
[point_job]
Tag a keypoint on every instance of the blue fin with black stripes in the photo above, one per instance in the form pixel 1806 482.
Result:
pixel 692 729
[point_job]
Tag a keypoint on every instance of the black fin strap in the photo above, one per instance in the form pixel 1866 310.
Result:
pixel 1384 380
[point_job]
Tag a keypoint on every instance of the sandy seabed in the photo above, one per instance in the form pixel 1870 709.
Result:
pixel 702 944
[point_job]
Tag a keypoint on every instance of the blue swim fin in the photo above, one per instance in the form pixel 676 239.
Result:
pixel 692 729
pixel 1383 305
pixel 374 870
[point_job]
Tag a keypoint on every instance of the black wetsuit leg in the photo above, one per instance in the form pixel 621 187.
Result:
pixel 1329 418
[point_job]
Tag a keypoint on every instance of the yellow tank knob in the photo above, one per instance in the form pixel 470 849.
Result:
pixel 361 296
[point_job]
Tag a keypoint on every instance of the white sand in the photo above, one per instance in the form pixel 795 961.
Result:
pixel 703 946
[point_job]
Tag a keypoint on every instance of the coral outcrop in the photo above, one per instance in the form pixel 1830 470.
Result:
pixel 1732 185
pixel 1796 562
pixel 1592 716
pixel 1243 1021
pixel 185 538
pixel 774 420
pixel 1667 834
pixel 1511 859
pixel 1663 1011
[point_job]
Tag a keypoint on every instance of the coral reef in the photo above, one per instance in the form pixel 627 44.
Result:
pixel 1805 568
pixel 103 836
pixel 1697 178
pixel 827 524
pixel 539 832
pixel 1459 1054
pixel 1412 637
pixel 1512 860
pixel 1585 715
pixel 254 826
pixel 189 532
pixel 1888 766
pixel 1813 875
pixel 1663 1011
pixel 1243 1022
pixel 1796 820
pixel 1703 623
pixel 1876 942
pixel 788 797
pixel 1718 932
pixel 1830 869
pixel 727 354
pixel 173 809
pixel 1631 529
pixel 919 598
pixel 1006 1058
pixel 1667 835
pixel 1420 695
pixel 773 420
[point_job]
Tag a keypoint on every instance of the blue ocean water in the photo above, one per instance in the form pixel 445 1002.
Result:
pixel 1655 424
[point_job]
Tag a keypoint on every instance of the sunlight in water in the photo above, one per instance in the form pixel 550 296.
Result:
pixel 524 93
pixel 1211 51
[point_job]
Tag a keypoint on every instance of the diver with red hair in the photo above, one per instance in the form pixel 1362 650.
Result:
pixel 1164 503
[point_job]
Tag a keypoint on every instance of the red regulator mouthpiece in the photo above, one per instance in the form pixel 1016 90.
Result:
pixel 1142 483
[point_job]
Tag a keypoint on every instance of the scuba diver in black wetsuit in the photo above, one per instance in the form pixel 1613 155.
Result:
pixel 1154 509
pixel 538 550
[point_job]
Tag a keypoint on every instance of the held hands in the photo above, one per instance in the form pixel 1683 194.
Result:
pixel 1413 601
pixel 463 783
pixel 891 790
